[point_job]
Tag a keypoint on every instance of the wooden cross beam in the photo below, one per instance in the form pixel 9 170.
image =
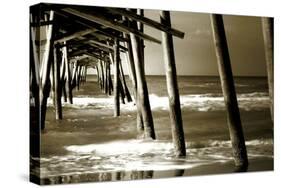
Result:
pixel 147 21
pixel 103 48
pixel 122 48
pixel 87 46
pixel 74 35
pixel 89 24
pixel 103 20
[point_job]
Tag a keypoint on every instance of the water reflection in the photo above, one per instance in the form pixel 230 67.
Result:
pixel 179 172
pixel 98 177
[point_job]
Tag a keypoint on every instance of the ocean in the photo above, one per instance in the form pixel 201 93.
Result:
pixel 89 144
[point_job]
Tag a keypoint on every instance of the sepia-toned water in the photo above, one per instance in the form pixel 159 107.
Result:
pixel 89 144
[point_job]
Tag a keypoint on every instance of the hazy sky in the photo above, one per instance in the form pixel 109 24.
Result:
pixel 195 53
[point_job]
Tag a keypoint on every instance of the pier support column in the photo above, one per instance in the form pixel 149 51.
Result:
pixel 101 73
pixel 130 60
pixel 68 84
pixel 142 91
pixel 109 79
pixel 267 28
pixel 62 77
pixel 106 77
pixel 74 75
pixel 57 86
pixel 124 85
pixel 45 73
pixel 78 73
pixel 172 87
pixel 228 89
pixel 116 79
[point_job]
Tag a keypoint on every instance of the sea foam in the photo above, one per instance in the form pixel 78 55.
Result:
pixel 194 102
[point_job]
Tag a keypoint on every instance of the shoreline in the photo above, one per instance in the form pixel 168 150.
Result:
pixel 262 164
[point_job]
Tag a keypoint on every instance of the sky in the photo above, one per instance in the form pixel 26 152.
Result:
pixel 195 54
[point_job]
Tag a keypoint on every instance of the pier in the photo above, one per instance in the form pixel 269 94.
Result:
pixel 68 40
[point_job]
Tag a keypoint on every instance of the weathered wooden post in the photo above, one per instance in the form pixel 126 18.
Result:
pixel 267 28
pixel 172 87
pixel 81 75
pixel 142 95
pixel 57 85
pixel 124 85
pixel 64 91
pixel 98 76
pixel 45 73
pixel 101 72
pixel 52 78
pixel 141 29
pixel 78 75
pixel 228 89
pixel 106 76
pixel 130 61
pixel 121 89
pixel 116 78
pixel 109 79
pixel 74 75
pixel 62 77
pixel 68 85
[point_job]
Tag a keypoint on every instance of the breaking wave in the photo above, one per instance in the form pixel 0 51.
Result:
pixel 196 102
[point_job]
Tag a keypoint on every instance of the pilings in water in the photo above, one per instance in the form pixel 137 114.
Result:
pixel 124 85
pixel 228 89
pixel 57 85
pixel 110 85
pixel 267 28
pixel 42 67
pixel 172 87
pixel 116 86
pixel 142 91
pixel 101 71
pixel 62 78
pixel 68 81
pixel 130 61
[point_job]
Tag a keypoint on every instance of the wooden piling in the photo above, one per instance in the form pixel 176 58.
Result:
pixel 78 75
pixel 172 87
pixel 74 75
pixel 116 78
pixel 45 73
pixel 132 70
pixel 64 94
pixel 142 90
pixel 62 77
pixel 121 90
pixel 124 85
pixel 228 89
pixel 52 78
pixel 130 60
pixel 68 85
pixel 141 30
pixel 57 85
pixel 106 77
pixel 35 108
pixel 101 73
pixel 109 79
pixel 98 76
pixel 267 28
